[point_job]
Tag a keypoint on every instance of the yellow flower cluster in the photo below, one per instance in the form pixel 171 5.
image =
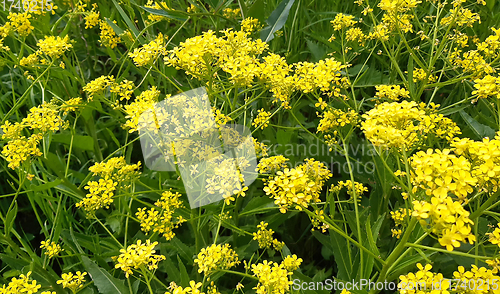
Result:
pixel 262 119
pixel 19 150
pixel 491 45
pixel 20 22
pixel 445 218
pixel 494 237
pixel 101 193
pixel 71 105
pixel 342 21
pixel 464 277
pixel 23 284
pixel 73 281
pixel 236 54
pixel 144 55
pixel 44 118
pixel 471 62
pixel 324 75
pixel 192 289
pixel 231 13
pixel 419 74
pixel 115 173
pixel 274 277
pixel 51 248
pixel 333 121
pixel 92 18
pixel 485 160
pixel 138 256
pixel 107 36
pixel 123 89
pixel 461 17
pixel 297 186
pixel 489 86
pixel 160 218
pixel 358 187
pixel 144 102
pixel 265 237
pixel 116 169
pixel 251 25
pixel 399 216
pixel 405 124
pixel 423 281
pixel 439 173
pixel 54 46
pixel 391 92
pixel 41 120
pixel 51 46
pixel 216 257
pixel 260 148
pixel 98 85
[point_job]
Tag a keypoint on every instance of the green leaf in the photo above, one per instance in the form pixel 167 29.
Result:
pixel 184 274
pixel 316 49
pixel 276 20
pixel 79 141
pixel 256 11
pixel 170 14
pixel 342 255
pixel 117 29
pixel 453 110
pixel 479 129
pixel 9 219
pixel 45 186
pixel 490 4
pixel 216 5
pixel 106 283
pixel 127 20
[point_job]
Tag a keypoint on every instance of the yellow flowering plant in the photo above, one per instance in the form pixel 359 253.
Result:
pixel 249 146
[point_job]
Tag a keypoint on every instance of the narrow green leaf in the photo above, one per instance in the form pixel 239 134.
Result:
pixel 9 219
pixel 170 14
pixel 342 255
pixel 79 141
pixel 479 129
pixel 184 274
pixel 45 186
pixel 105 283
pixel 127 20
pixel 276 20
pixel 490 4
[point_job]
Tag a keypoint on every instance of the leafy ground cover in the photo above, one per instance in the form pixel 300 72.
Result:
pixel 250 146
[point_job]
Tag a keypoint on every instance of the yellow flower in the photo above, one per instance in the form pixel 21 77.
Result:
pixel 250 25
pixel 262 119
pixel 149 52
pixel 23 284
pixel 54 46
pixel 160 219
pixel 216 257
pixel 92 19
pixel 342 21
pixel 72 281
pixel 51 248
pixel 108 37
pixel 137 256
pixel 21 23
pixel 297 186
pixel 391 92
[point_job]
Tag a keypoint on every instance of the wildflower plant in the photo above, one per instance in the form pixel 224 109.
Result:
pixel 242 146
